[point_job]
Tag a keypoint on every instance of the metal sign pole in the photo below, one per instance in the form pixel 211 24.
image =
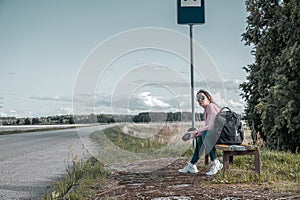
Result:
pixel 192 75
pixel 191 12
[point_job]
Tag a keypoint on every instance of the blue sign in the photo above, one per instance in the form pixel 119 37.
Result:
pixel 190 12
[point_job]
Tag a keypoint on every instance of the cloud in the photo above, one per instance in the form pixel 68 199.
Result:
pixel 155 98
pixel 237 106
pixel 232 84
pixel 133 103
pixel 103 100
pixel 152 101
pixel 236 103
pixel 53 98
pixel 63 111
pixel 227 85
pixel 44 113
pixel 141 102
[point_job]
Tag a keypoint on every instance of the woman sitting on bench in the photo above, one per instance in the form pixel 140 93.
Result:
pixel 203 136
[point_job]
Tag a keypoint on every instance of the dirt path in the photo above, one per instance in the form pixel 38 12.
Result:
pixel 166 184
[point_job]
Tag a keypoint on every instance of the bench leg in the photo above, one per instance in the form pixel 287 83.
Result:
pixel 257 162
pixel 231 159
pixel 225 161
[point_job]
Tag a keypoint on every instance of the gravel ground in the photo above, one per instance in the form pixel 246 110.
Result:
pixel 137 181
pixel 159 179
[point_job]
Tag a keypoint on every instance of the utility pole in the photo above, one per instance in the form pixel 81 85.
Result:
pixel 191 12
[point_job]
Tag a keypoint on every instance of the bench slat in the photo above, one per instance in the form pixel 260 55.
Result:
pixel 242 147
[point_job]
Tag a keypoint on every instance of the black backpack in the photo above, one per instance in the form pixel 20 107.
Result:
pixel 228 127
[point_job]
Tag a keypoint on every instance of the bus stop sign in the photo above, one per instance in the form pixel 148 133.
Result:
pixel 190 12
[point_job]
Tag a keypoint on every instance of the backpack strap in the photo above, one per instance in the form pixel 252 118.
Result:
pixel 226 108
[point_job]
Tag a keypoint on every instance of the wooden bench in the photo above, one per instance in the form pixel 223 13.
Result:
pixel 229 151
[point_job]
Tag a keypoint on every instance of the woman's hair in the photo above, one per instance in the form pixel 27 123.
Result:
pixel 206 94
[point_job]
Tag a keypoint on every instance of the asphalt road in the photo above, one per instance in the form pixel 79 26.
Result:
pixel 31 162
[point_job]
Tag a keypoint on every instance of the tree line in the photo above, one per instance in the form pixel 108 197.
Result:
pixel 272 87
pixel 101 118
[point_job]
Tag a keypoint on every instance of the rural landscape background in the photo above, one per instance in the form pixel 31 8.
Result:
pixel 115 77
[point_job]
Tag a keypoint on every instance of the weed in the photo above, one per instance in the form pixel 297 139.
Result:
pixel 81 182
pixel 280 170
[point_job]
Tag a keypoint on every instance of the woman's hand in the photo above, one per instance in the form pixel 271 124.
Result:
pixel 198 134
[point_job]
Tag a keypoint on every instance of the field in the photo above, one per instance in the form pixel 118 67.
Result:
pixel 149 170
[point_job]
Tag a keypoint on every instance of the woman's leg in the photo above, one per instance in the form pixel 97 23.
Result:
pixel 213 154
pixel 209 144
pixel 197 150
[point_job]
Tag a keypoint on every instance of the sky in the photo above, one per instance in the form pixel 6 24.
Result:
pixel 119 56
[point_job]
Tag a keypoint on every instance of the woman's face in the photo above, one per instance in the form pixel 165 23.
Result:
pixel 203 100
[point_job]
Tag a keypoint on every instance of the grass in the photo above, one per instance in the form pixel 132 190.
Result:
pixel 128 142
pixel 34 130
pixel 82 181
pixel 126 148
pixel 279 170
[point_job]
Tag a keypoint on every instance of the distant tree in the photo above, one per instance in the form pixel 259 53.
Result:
pixel 36 120
pixel 61 119
pixel 1 102
pixel 105 118
pixel 170 117
pixel 142 117
pixel 273 82
pixel 27 121
pixel 71 120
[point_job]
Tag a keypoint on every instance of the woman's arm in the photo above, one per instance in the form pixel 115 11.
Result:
pixel 210 113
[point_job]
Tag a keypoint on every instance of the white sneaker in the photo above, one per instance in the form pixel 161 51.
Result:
pixel 215 167
pixel 189 168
